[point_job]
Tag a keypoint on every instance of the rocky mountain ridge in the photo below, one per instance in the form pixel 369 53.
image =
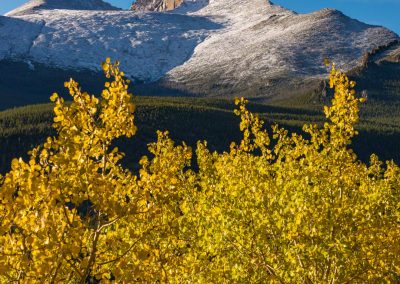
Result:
pixel 156 5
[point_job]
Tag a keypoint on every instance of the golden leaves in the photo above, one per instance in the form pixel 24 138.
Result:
pixel 273 209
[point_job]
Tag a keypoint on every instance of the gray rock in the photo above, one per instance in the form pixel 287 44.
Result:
pixel 156 5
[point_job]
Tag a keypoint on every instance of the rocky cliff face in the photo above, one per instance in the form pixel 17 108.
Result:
pixel 156 5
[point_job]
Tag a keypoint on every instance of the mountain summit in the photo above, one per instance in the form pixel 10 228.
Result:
pixel 35 5
pixel 245 47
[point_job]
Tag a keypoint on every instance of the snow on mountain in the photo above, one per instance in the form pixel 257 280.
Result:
pixel 201 46
pixel 147 44
pixel 263 44
pixel 33 6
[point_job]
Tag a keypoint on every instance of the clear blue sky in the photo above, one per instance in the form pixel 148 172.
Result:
pixel 378 12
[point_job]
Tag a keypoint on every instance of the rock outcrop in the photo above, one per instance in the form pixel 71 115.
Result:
pixel 33 6
pixel 156 5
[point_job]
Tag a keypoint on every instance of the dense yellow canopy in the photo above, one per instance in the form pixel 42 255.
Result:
pixel 278 208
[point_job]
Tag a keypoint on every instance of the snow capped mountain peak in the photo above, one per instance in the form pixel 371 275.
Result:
pixel 179 6
pixel 34 5
pixel 236 47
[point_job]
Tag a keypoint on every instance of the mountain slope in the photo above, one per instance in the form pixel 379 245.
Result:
pixel 244 47
pixel 147 44
pixel 266 48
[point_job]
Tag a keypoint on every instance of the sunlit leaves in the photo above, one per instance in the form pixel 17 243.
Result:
pixel 276 208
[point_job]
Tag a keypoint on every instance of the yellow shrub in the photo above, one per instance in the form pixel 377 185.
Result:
pixel 302 210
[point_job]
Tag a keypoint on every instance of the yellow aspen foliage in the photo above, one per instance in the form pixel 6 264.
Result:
pixel 275 208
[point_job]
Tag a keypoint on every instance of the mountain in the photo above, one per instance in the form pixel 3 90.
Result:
pixel 265 49
pixel 215 48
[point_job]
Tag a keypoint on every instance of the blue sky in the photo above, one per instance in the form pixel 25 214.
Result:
pixel 377 12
